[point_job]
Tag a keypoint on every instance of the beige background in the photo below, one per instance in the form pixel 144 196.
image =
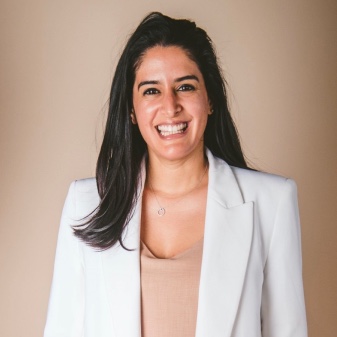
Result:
pixel 57 60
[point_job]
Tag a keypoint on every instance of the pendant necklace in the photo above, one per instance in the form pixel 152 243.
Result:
pixel 162 210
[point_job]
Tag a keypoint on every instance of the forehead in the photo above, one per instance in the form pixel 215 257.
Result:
pixel 170 59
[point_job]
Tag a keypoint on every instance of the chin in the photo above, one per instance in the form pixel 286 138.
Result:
pixel 177 153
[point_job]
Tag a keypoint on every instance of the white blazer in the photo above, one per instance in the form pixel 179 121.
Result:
pixel 251 278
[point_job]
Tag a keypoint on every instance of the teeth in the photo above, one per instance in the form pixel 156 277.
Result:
pixel 168 129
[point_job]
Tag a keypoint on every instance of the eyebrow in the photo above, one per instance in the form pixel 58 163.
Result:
pixel 188 77
pixel 179 79
pixel 147 82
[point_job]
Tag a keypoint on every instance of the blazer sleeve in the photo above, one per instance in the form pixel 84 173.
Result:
pixel 283 309
pixel 65 316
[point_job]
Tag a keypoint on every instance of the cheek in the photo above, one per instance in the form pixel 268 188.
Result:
pixel 145 126
pixel 202 111
pixel 145 112
pixel 143 117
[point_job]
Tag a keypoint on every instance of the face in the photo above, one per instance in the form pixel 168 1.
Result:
pixel 170 103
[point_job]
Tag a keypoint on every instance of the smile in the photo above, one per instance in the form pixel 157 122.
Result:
pixel 171 129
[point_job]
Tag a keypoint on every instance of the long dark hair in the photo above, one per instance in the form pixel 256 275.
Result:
pixel 123 148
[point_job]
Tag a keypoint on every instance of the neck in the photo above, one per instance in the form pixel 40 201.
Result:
pixel 173 179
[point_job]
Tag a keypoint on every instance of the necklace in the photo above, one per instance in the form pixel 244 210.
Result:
pixel 162 210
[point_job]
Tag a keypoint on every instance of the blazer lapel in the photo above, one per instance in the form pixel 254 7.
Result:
pixel 227 241
pixel 121 269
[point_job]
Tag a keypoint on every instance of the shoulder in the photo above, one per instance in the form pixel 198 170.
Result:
pixel 253 185
pixel 87 185
pixel 83 196
pixel 266 187
pixel 249 180
pixel 260 179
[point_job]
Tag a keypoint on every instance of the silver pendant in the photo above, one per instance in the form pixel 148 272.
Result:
pixel 161 211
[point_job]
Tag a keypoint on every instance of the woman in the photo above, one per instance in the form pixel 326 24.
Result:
pixel 182 239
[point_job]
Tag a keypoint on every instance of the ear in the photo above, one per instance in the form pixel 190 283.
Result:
pixel 133 117
pixel 211 110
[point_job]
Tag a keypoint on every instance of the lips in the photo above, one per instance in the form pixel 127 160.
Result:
pixel 171 129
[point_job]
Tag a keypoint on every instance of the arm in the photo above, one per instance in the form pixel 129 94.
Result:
pixel 66 303
pixel 283 309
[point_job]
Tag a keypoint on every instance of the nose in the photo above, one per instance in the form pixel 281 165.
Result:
pixel 171 105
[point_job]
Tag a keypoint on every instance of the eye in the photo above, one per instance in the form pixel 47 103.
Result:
pixel 151 91
pixel 186 87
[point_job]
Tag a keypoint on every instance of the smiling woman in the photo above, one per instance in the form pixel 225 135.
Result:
pixel 176 236
pixel 170 103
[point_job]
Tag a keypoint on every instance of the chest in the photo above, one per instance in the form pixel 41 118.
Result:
pixel 179 228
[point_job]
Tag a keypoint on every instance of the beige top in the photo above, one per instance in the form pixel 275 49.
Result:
pixel 170 292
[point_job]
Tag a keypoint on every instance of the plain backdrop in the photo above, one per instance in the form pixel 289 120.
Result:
pixel 57 60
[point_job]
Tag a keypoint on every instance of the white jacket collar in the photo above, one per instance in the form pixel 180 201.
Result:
pixel 227 240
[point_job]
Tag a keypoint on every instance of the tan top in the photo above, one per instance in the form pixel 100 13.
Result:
pixel 170 292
